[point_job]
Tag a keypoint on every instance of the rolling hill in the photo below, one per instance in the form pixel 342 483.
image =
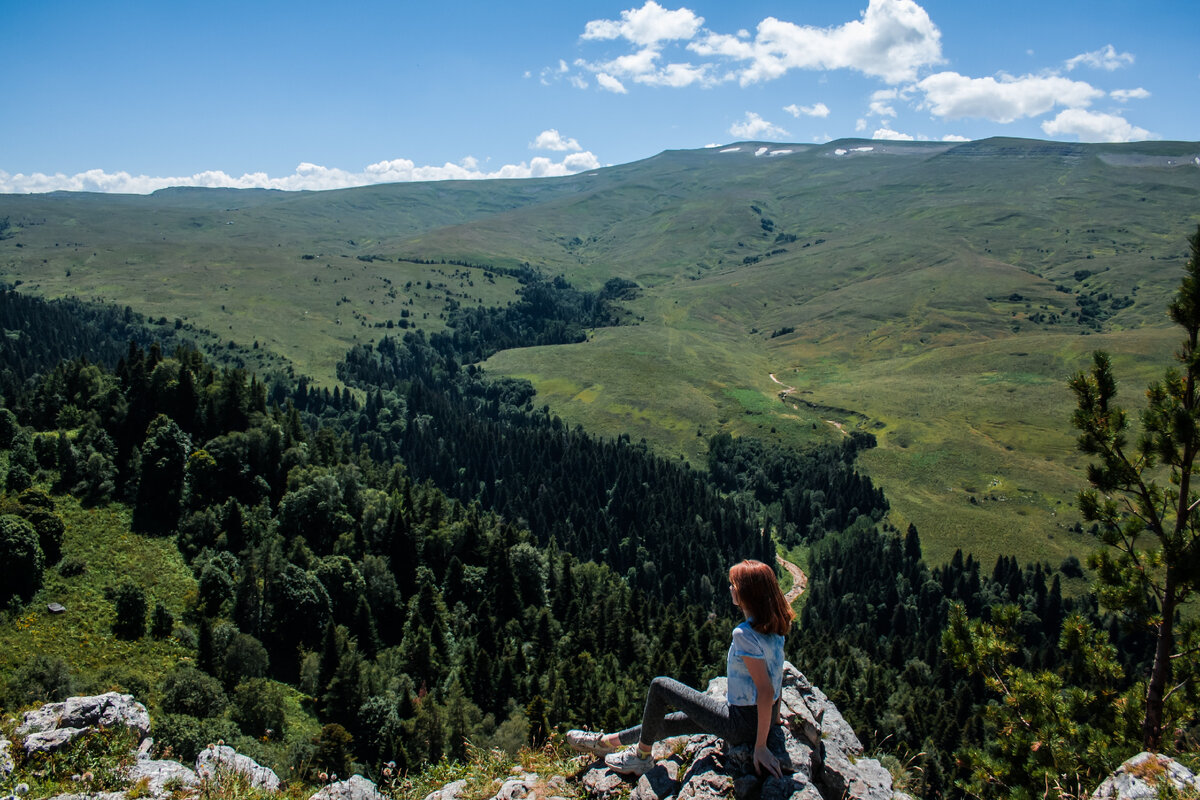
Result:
pixel 937 295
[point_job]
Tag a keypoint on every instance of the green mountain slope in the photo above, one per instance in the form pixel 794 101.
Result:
pixel 935 294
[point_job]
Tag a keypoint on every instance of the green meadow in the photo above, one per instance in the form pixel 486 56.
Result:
pixel 935 295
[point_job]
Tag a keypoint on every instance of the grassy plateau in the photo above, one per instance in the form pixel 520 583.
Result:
pixel 936 295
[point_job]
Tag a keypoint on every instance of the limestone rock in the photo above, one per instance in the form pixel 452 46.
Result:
pixel 97 796
pixel 51 740
pixel 98 711
pixel 213 761
pixel 602 783
pixel 789 787
pixel 450 791
pixel 515 789
pixel 7 765
pixel 843 775
pixel 355 788
pixel 1141 777
pixel 158 774
pixel 659 783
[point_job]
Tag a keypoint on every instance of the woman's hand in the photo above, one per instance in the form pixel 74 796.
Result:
pixel 765 759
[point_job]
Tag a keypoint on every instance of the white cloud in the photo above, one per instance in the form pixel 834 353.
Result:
pixel 755 127
pixel 951 95
pixel 647 25
pixel 879 105
pixel 610 83
pixel 1092 126
pixel 310 177
pixel 815 110
pixel 578 82
pixel 1123 95
pixel 552 140
pixel 888 133
pixel 1106 58
pixel 892 40
pixel 954 137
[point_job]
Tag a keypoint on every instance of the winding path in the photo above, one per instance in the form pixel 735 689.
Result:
pixel 799 579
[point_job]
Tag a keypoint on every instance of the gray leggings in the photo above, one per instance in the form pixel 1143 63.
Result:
pixel 697 713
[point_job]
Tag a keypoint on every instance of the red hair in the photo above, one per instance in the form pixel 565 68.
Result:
pixel 761 598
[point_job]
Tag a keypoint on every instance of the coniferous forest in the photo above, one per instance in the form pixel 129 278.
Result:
pixel 429 558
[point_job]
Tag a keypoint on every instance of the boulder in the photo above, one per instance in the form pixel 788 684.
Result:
pixel 157 774
pixel 845 776
pixel 98 711
pixel 601 783
pixel 660 783
pixel 217 760
pixel 789 787
pixel 450 791
pixel 51 740
pixel 1143 776
pixel 355 788
pixel 7 764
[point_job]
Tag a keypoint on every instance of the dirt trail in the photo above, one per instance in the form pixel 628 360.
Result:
pixel 799 579
pixel 787 390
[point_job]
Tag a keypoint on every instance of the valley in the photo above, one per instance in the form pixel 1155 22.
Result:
pixel 936 296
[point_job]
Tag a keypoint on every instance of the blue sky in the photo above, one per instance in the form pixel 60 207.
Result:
pixel 131 97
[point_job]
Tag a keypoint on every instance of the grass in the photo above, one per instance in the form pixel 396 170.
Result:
pixel 929 289
pixel 82 636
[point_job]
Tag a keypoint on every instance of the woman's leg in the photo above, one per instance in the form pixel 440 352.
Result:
pixel 696 713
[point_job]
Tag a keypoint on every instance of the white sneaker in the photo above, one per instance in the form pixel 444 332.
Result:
pixel 628 762
pixel 590 742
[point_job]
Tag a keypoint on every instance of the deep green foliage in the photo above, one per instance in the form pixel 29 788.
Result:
pixel 187 690
pixel 21 559
pixel 873 626
pixel 259 708
pixel 40 680
pixel 130 606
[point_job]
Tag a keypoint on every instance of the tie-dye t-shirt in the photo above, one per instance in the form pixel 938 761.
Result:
pixel 749 642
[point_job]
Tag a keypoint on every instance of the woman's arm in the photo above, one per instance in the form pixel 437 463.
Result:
pixel 765 701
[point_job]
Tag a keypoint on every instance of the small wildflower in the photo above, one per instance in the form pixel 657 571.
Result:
pixel 324 776
pixel 21 789
pixel 220 742
pixel 76 778
pixel 333 777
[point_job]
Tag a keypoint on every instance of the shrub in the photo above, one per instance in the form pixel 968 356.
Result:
pixel 50 530
pixel 41 680
pixel 259 708
pixel 185 736
pixel 71 566
pixel 245 657
pixel 21 559
pixel 186 690
pixel 162 622
pixel 130 602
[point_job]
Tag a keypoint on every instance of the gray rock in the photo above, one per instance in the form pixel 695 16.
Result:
pixel 355 788
pixel 215 761
pixel 660 783
pixel 514 789
pixel 1141 777
pixel 96 796
pixel 845 776
pixel 7 765
pixel 157 774
pixel 789 787
pixel 51 740
pixel 744 786
pixel 97 711
pixel 602 783
pixel 706 784
pixel 450 791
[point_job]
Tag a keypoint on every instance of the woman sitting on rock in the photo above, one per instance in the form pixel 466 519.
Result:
pixel 755 669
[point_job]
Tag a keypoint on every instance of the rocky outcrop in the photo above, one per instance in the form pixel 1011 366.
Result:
pixel 55 724
pixel 7 765
pixel 217 762
pixel 356 788
pixel 1148 776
